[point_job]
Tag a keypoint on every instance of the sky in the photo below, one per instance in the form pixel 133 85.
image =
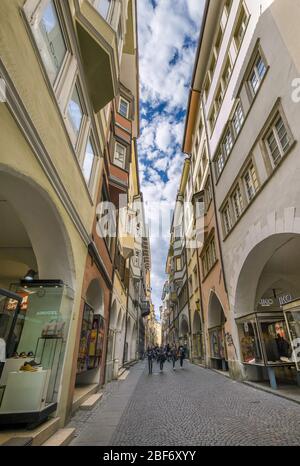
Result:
pixel 168 37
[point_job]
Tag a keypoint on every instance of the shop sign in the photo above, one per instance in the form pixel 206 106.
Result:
pixel 268 302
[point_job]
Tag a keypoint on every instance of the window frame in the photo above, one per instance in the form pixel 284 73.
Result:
pixel 122 99
pixel 272 130
pixel 91 182
pixel 116 143
pixel 227 225
pixel 32 11
pixel 254 70
pixel 248 171
pixel 243 11
pixel 237 202
pixel 85 122
pixel 240 120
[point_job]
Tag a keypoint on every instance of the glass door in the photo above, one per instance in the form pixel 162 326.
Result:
pixel 292 318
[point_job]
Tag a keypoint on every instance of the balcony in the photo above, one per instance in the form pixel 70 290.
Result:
pixel 99 48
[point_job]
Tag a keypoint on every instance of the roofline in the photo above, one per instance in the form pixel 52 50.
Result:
pixel 201 35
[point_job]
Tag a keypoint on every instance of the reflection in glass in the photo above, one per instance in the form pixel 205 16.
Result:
pixel 88 162
pixel 103 6
pixel 50 40
pixel 276 341
pixel 75 112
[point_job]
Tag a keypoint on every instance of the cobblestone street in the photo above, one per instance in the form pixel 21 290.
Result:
pixel 189 406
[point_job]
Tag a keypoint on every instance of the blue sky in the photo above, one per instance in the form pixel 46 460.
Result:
pixel 168 35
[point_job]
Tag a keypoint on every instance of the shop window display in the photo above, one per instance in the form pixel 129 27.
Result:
pixel 91 340
pixel 264 339
pixel 250 344
pixel 217 343
pixel 35 333
pixel 276 342
pixel 292 317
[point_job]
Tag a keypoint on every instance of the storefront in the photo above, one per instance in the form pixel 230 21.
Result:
pixel 265 343
pixel 197 338
pixel 292 317
pixel 92 336
pixel 91 341
pixel 34 330
pixel 218 348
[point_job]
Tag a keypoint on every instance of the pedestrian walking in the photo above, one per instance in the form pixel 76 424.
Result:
pixel 161 358
pixel 181 355
pixel 150 355
pixel 174 356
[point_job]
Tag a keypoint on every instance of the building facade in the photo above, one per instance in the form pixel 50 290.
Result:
pixel 242 120
pixel 69 123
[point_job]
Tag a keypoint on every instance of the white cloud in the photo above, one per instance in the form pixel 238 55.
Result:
pixel 168 34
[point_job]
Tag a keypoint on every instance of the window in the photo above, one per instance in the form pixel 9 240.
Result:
pixel 196 278
pixel 278 140
pixel 251 182
pixel 103 6
pixel 212 251
pixel 218 41
pixel 219 99
pixel 240 28
pixel 191 285
pixel 212 119
pixel 50 40
pixel 257 73
pixel 206 86
pixel 209 257
pixel 207 193
pixel 204 265
pixel 237 202
pixel 124 107
pixel 120 155
pixel 227 73
pixel 178 264
pixel 238 118
pixel 220 162
pixel 227 219
pixel 228 142
pixel 75 114
pixel 88 162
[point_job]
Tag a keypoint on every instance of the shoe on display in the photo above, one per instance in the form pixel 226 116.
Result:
pixel 30 354
pixel 33 363
pixel 285 359
pixel 15 355
pixel 23 355
pixel 27 368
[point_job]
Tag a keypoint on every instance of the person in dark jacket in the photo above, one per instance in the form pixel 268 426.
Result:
pixel 181 354
pixel 174 356
pixel 150 356
pixel 161 359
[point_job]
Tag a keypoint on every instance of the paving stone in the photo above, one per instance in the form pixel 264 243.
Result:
pixel 189 406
